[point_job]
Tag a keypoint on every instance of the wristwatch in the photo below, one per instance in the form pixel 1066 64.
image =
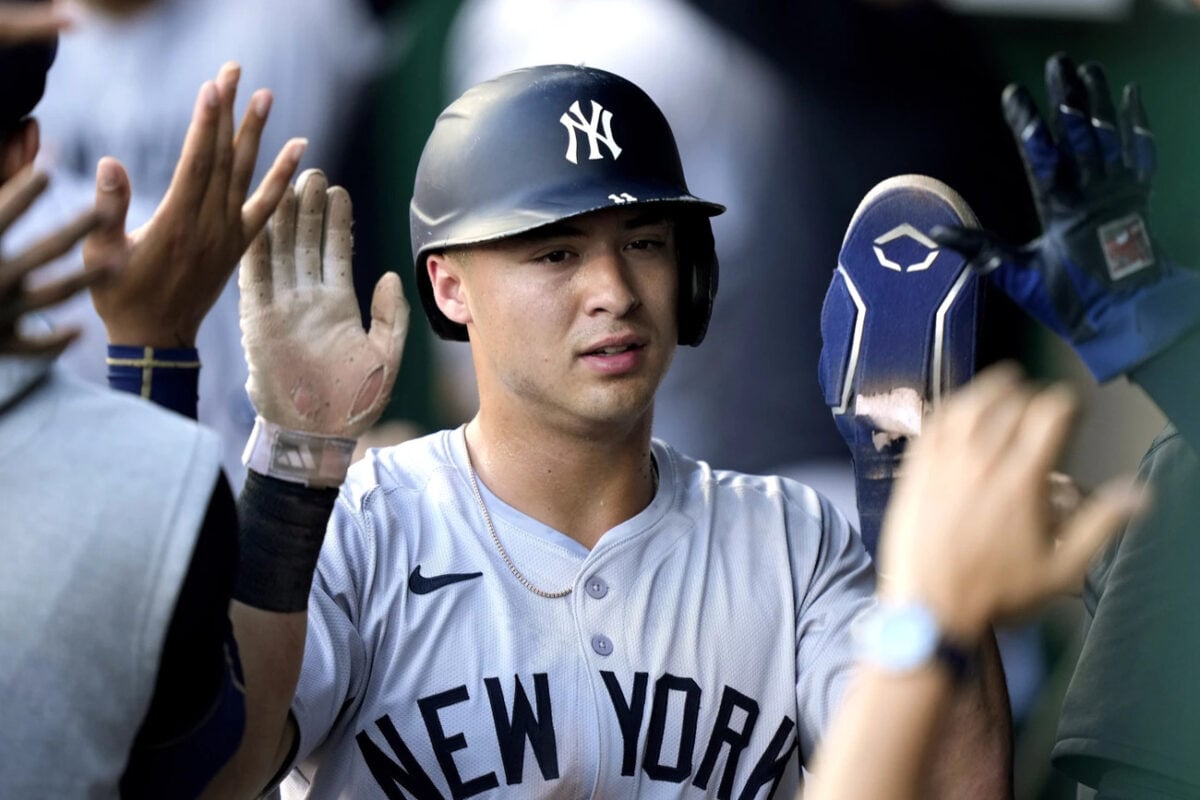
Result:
pixel 903 637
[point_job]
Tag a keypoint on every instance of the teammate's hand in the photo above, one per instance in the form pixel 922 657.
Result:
pixel 970 531
pixel 312 366
pixel 27 22
pixel 1094 276
pixel 17 299
pixel 173 268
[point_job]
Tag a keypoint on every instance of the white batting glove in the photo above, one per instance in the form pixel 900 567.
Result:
pixel 317 379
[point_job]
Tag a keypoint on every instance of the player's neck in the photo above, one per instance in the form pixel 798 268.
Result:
pixel 580 485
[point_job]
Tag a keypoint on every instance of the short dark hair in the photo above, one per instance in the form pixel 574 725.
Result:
pixel 23 71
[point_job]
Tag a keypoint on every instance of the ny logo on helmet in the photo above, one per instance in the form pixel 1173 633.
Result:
pixel 600 116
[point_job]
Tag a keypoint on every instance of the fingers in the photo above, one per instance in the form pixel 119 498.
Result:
pixel 1100 518
pixel 1036 145
pixel 18 193
pixel 254 278
pixel 310 226
pixel 1071 119
pixel 283 242
pixel 52 344
pixel 59 290
pixel 1104 115
pixel 389 315
pixel 216 191
pixel 266 198
pixel 985 413
pixel 50 247
pixel 1139 151
pixel 245 147
pixel 190 181
pixel 1045 426
pixel 25 22
pixel 985 250
pixel 338 240
pixel 106 246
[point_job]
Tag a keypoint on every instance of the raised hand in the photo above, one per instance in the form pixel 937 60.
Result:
pixel 1095 275
pixel 313 369
pixel 26 22
pixel 970 531
pixel 173 268
pixel 16 298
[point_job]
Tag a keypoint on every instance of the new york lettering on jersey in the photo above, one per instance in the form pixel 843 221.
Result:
pixel 701 758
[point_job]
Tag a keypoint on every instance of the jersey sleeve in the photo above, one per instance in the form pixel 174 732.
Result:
pixel 1130 711
pixel 333 672
pixel 834 583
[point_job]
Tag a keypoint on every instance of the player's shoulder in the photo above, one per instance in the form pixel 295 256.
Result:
pixel 700 481
pixel 141 427
pixel 405 468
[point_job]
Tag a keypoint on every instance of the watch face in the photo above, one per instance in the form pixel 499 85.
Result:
pixel 899 638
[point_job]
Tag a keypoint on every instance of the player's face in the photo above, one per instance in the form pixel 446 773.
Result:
pixel 575 323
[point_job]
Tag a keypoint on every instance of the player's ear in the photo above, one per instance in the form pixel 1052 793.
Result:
pixel 446 278
pixel 18 150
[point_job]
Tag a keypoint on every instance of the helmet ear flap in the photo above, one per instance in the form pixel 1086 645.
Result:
pixel 697 278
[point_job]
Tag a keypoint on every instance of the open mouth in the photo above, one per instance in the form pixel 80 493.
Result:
pixel 614 350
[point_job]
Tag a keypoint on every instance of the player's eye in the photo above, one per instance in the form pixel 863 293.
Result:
pixel 646 244
pixel 554 257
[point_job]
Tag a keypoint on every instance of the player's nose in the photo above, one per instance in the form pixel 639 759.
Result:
pixel 606 280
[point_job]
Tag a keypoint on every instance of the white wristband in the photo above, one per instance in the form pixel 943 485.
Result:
pixel 296 456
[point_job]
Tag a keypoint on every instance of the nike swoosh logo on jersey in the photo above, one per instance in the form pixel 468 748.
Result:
pixel 420 584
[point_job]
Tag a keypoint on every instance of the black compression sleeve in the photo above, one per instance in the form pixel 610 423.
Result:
pixel 195 664
pixel 282 527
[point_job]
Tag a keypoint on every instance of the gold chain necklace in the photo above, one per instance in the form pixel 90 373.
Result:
pixel 487 520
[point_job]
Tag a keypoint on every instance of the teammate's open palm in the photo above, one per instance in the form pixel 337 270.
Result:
pixel 312 366
pixel 970 530
pixel 173 268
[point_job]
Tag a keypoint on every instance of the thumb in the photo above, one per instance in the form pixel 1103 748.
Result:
pixel 105 246
pixel 1090 528
pixel 985 250
pixel 389 314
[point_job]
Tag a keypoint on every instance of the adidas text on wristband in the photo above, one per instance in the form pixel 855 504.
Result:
pixel 296 456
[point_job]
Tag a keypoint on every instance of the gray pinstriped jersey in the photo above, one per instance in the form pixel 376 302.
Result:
pixel 703 647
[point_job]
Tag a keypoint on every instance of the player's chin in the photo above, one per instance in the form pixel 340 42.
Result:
pixel 621 401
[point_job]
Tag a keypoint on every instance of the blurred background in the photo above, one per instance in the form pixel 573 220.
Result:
pixel 786 112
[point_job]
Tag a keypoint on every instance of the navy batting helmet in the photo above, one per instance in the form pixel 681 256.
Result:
pixel 538 145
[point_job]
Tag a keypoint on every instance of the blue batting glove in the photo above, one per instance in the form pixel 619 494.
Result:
pixel 1095 275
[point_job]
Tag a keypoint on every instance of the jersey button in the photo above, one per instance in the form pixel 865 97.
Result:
pixel 602 644
pixel 596 587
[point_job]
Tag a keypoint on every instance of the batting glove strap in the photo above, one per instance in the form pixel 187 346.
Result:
pixel 296 456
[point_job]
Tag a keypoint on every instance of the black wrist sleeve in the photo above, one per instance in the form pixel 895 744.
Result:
pixel 282 527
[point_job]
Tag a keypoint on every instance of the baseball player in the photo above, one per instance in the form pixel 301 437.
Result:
pixel 971 536
pixel 544 602
pixel 1097 277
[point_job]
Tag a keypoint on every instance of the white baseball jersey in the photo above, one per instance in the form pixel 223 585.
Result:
pixel 700 654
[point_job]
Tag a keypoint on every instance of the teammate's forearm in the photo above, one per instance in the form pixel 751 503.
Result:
pixel 272 648
pixel 879 743
pixel 972 751
pixel 282 526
